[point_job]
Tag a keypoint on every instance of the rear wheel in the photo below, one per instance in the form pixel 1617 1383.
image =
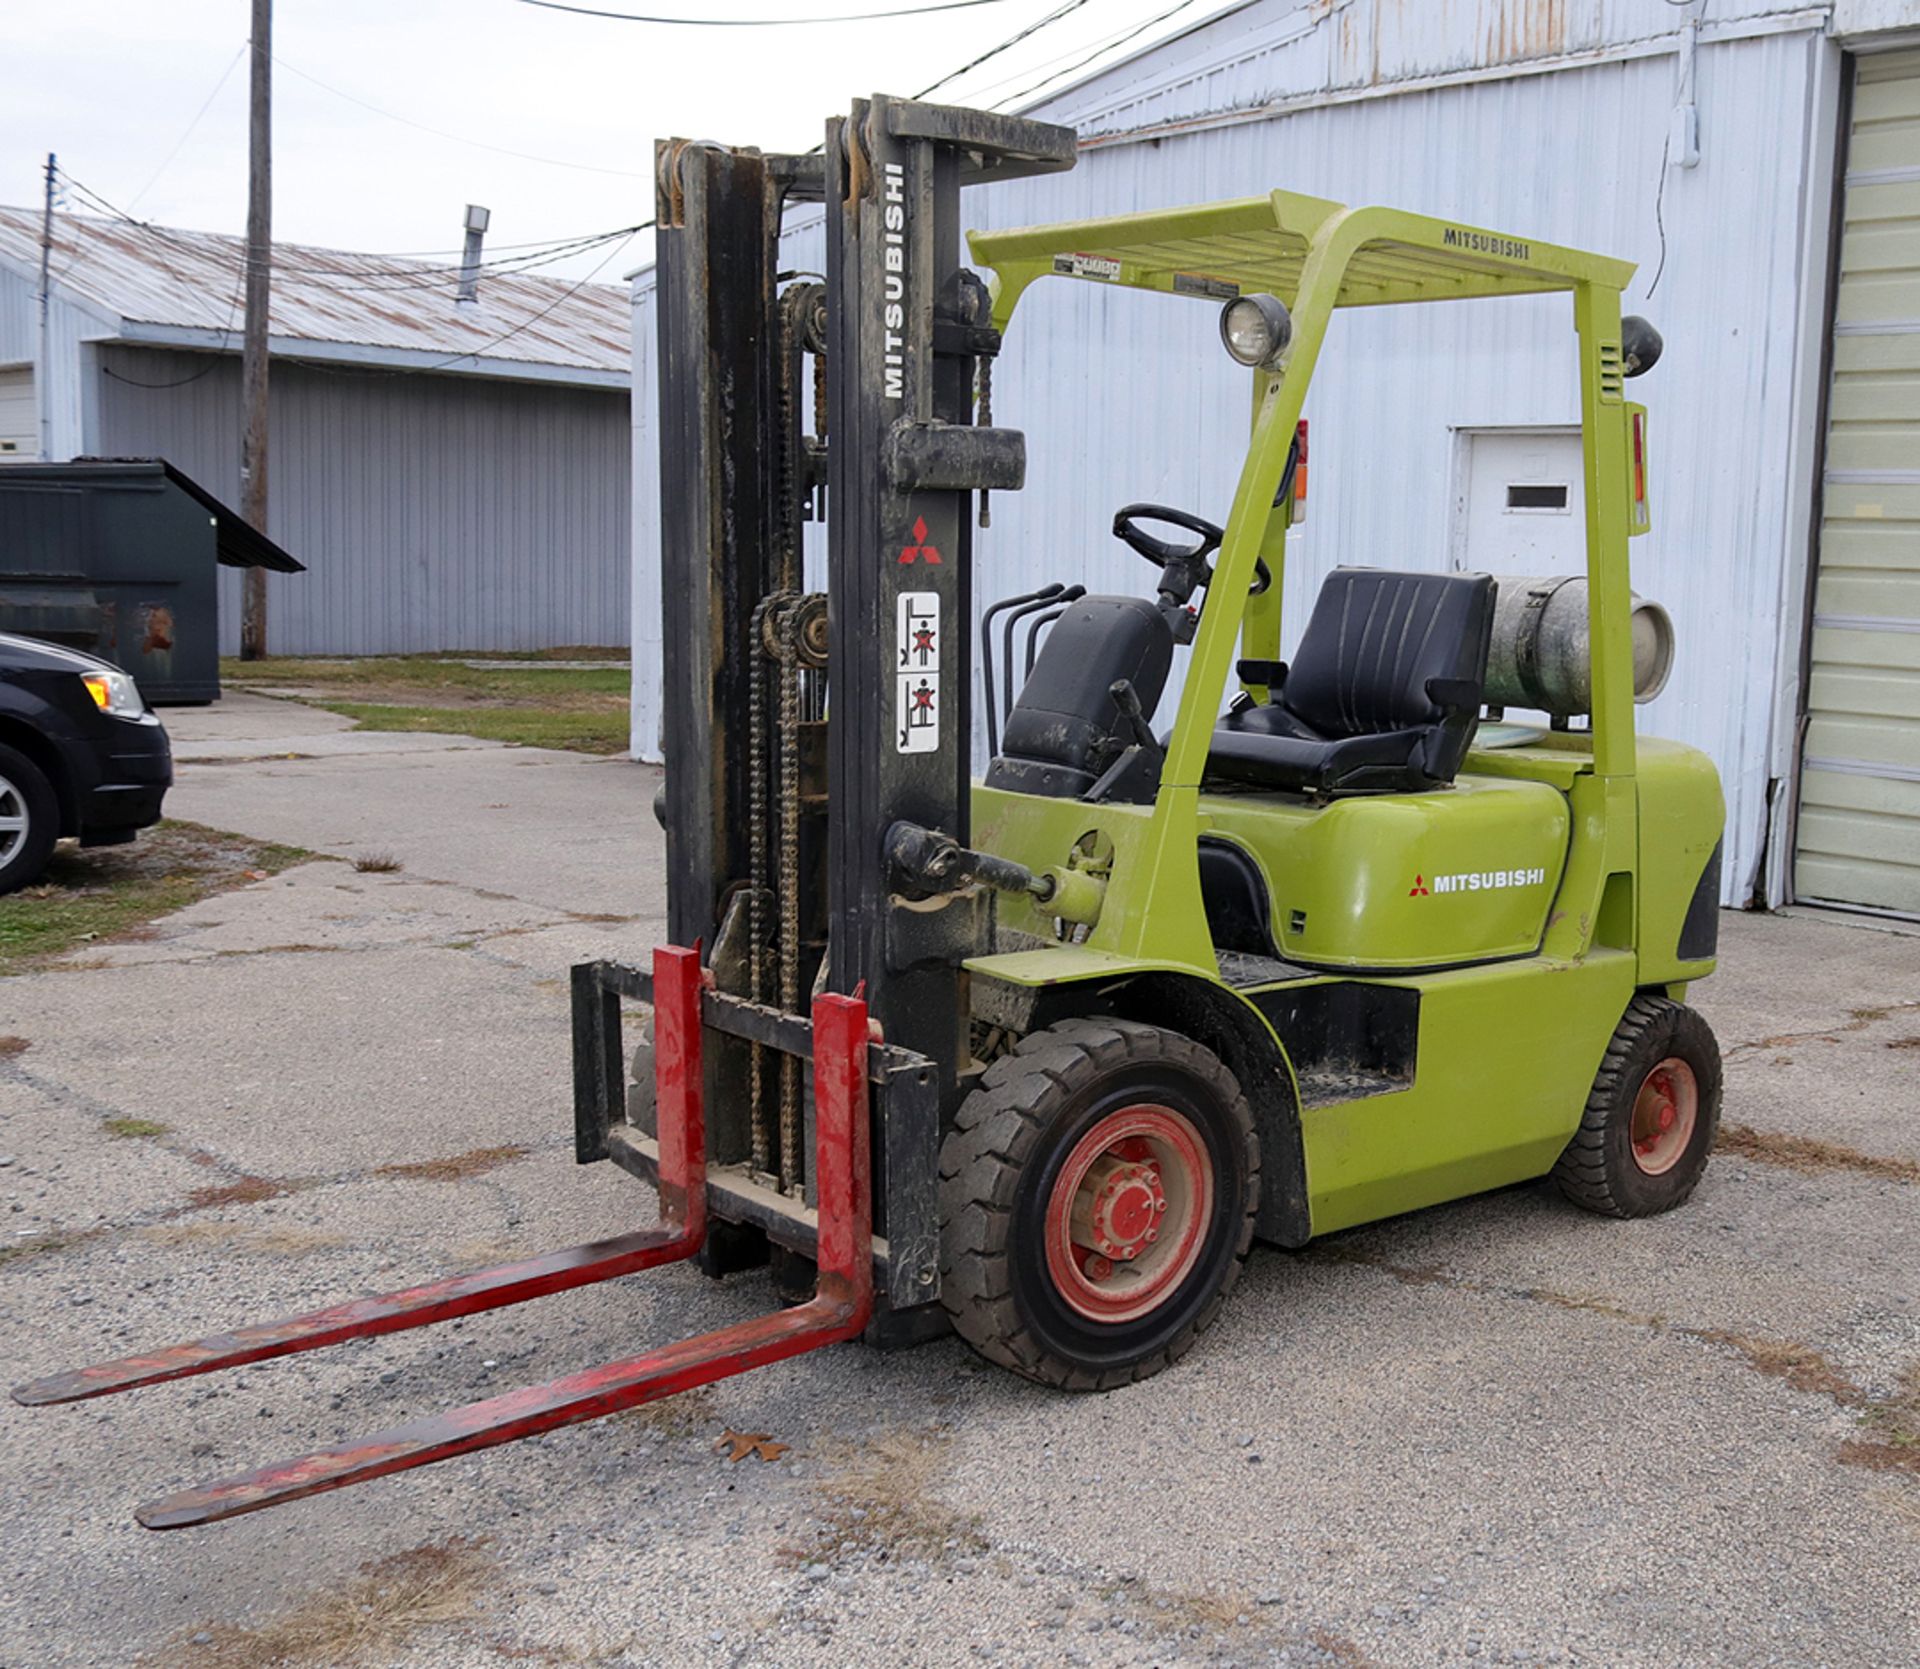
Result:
pixel 29 820
pixel 1650 1121
pixel 1098 1195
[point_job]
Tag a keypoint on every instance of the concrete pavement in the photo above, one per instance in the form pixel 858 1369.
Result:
pixel 1498 1431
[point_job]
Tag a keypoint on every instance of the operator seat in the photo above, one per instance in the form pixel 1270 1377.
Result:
pixel 1065 730
pixel 1382 695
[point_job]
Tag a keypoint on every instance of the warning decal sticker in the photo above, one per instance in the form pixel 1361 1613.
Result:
pixel 917 672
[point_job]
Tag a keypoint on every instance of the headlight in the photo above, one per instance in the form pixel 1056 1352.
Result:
pixel 1256 330
pixel 115 693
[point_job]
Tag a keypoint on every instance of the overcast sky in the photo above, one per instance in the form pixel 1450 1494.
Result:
pixel 115 86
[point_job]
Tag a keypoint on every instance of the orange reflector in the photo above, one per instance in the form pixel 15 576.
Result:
pixel 97 688
pixel 1300 464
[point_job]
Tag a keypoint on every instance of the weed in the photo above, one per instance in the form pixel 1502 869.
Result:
pixel 369 1618
pixel 130 1127
pixel 456 1168
pixel 1806 1154
pixel 377 863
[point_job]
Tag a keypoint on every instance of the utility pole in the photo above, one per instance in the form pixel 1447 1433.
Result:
pixel 42 384
pixel 253 353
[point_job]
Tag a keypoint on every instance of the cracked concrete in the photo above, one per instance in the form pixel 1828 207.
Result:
pixel 1498 1431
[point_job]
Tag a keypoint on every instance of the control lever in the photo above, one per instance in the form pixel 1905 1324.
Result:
pixel 1127 699
pixel 1133 778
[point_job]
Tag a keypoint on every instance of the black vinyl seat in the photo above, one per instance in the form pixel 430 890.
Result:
pixel 1065 731
pixel 1382 694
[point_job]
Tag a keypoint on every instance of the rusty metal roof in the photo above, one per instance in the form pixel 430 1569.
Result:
pixel 154 284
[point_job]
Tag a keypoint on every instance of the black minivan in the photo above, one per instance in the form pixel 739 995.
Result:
pixel 80 754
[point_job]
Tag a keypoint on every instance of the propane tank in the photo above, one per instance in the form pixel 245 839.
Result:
pixel 1539 656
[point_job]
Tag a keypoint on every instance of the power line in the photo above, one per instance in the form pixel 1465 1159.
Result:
pixel 1053 16
pixel 761 22
pixel 180 144
pixel 1098 52
pixel 343 277
pixel 461 138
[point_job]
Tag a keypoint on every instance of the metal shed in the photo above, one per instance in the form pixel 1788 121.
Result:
pixel 120 557
pixel 456 475
pixel 1702 141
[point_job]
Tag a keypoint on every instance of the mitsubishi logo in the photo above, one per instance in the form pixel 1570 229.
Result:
pixel 1419 888
pixel 919 547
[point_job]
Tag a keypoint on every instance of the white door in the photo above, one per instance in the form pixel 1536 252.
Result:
pixel 1858 835
pixel 19 415
pixel 1518 502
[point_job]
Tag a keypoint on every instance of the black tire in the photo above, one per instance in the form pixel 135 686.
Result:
pixel 1600 1169
pixel 1014 1136
pixel 24 784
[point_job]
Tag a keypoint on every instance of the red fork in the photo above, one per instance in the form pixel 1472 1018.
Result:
pixel 683 1210
pixel 842 1302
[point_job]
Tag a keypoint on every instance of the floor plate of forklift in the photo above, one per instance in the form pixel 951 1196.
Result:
pixel 1452 1438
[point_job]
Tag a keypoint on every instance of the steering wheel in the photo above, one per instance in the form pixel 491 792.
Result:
pixel 1189 562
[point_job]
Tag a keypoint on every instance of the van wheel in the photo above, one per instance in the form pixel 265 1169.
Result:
pixel 1097 1196
pixel 1650 1121
pixel 29 820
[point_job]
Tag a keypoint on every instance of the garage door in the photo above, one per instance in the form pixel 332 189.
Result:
pixel 19 418
pixel 1859 827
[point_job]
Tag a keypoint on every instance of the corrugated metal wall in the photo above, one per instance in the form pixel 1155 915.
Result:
pixel 1127 396
pixel 69 328
pixel 432 512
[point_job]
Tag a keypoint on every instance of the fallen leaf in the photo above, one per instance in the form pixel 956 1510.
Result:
pixel 259 875
pixel 739 1444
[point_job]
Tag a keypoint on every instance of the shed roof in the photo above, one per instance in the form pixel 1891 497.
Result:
pixel 183 289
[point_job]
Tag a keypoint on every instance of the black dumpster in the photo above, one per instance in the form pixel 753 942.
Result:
pixel 117 556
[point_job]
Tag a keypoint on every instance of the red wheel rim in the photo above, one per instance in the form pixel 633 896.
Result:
pixel 1664 1115
pixel 1128 1212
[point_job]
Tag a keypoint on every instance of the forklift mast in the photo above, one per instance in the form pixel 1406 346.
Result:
pixel 773 693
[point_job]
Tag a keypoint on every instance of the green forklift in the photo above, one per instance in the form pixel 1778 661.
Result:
pixel 1037 1058
pixel 1344 945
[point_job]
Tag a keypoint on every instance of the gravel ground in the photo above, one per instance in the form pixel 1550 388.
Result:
pixel 1495 1432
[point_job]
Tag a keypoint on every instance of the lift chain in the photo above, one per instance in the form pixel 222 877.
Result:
pixel 759 879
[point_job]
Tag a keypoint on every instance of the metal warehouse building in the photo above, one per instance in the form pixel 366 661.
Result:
pixel 1759 159
pixel 454 476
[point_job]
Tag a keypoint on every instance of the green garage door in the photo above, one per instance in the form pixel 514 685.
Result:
pixel 1859 828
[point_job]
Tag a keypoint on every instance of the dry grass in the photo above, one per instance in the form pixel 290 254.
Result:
pixel 1801 1366
pixel 879 1498
pixel 378 863
pixel 11 1046
pixel 247 1190
pixel 1893 1425
pixel 458 1167
pixel 690 1414
pixel 1342 1650
pixel 245 1239
pixel 1805 1154
pixel 367 1619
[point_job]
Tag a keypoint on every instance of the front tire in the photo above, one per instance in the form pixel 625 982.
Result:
pixel 29 820
pixel 1650 1120
pixel 1097 1199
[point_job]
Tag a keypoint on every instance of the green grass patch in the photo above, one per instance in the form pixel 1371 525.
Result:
pixel 128 1128
pixel 105 894
pixel 604 733
pixel 515 700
